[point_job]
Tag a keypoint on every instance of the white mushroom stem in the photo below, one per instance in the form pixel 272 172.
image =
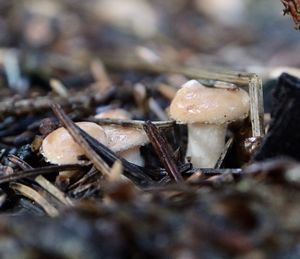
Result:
pixel 205 144
pixel 133 155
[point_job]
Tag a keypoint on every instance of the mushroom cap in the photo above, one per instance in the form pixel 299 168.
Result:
pixel 114 114
pixel 121 138
pixel 60 148
pixel 195 103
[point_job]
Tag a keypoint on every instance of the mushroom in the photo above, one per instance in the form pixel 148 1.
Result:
pixel 207 111
pixel 60 148
pixel 126 142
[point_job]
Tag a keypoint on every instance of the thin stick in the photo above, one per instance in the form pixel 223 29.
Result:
pixel 133 123
pixel 240 78
pixel 163 151
pixel 224 152
pixel 256 106
pixel 43 103
pixel 92 172
pixel 42 181
pixel 216 171
pixel 36 197
pixel 19 162
pixel 96 159
pixel 52 189
pixel 37 171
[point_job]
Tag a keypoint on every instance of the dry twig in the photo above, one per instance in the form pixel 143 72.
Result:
pixel 133 123
pixel 163 151
pixel 43 103
pixel 37 171
pixel 36 197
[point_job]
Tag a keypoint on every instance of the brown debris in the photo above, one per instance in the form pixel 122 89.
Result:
pixel 292 8
pixel 163 150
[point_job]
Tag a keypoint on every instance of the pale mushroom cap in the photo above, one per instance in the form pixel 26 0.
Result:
pixel 121 138
pixel 60 148
pixel 114 114
pixel 195 103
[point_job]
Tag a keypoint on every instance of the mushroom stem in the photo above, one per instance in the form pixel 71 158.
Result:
pixel 205 144
pixel 133 155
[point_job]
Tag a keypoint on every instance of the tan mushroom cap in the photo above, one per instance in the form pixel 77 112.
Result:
pixel 114 114
pixel 120 138
pixel 60 148
pixel 195 103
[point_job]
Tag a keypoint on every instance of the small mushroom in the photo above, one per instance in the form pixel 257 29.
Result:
pixel 60 148
pixel 124 141
pixel 207 111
